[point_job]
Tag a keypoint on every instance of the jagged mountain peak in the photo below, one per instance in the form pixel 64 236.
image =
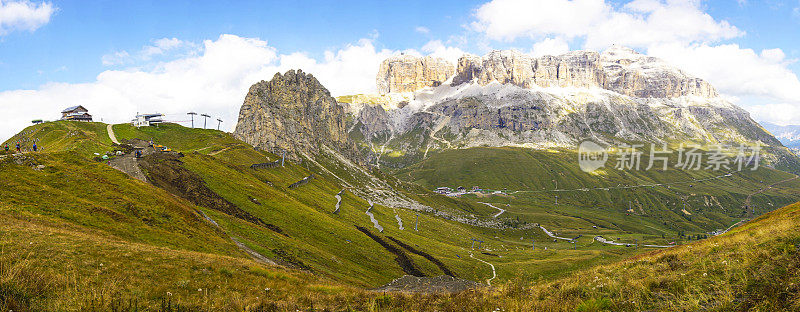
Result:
pixel 295 113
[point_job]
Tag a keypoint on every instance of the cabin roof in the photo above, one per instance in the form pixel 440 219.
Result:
pixel 72 108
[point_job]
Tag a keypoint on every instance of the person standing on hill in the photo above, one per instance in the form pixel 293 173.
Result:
pixel 6 148
pixel 18 147
pixel 34 147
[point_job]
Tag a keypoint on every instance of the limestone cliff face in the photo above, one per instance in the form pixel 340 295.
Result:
pixel 407 73
pixel 634 74
pixel 295 113
pixel 618 69
pixel 575 69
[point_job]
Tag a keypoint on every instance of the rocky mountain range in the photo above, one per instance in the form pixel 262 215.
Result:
pixel 508 98
pixel 505 98
pixel 788 135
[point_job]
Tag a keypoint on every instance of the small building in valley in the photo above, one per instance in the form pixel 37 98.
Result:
pixel 76 113
pixel 146 120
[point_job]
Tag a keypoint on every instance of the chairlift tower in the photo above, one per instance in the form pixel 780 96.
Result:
pixel 480 242
pixel 205 118
pixel 192 114
pixel 219 122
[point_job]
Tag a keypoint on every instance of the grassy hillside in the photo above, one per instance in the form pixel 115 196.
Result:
pixel 83 138
pixel 749 268
pixel 79 235
pixel 753 267
pixel 295 227
pixel 672 202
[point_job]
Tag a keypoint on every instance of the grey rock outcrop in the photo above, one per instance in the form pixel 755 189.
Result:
pixel 407 73
pixel 295 113
pixel 374 123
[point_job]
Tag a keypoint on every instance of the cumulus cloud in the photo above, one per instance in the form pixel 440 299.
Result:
pixel 422 30
pixel 783 114
pixel 550 46
pixel 437 49
pixel 213 81
pixel 735 70
pixel 160 47
pixel 511 19
pixel 638 23
pixel 24 15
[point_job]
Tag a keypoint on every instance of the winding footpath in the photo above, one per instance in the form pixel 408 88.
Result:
pixel 750 196
pixel 600 239
pixel 494 274
pixel 621 187
pixel 762 190
pixel 730 227
pixel 252 253
pixel 611 242
pixel 493 206
pixel 552 235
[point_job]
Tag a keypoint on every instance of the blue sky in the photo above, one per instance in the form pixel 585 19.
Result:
pixel 71 46
pixel 62 53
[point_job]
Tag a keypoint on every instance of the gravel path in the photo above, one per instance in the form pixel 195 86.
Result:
pixel 553 236
pixel 372 218
pixel 494 274
pixel 611 242
pixel 252 253
pixel 399 221
pixel 493 206
pixel 110 129
pixel 338 201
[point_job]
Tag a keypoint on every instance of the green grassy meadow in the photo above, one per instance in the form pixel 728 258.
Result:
pixel 78 235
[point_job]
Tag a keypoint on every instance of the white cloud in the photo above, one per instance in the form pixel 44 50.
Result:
pixel 213 81
pixel 638 23
pixel 422 30
pixel 436 48
pixel 735 70
pixel 773 55
pixel 511 19
pixel 116 58
pixel 160 47
pixel 550 46
pixel 770 90
pixel 24 15
pixel 783 114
